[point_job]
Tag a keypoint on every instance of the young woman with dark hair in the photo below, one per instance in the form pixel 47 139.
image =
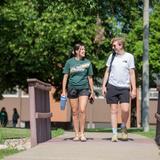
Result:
pixel 78 86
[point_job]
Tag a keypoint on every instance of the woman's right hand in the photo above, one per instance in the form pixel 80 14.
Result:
pixel 63 93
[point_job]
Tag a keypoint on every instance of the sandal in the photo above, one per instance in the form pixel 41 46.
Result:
pixel 76 138
pixel 83 138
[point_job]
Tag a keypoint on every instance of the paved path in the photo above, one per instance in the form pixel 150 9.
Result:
pixel 97 147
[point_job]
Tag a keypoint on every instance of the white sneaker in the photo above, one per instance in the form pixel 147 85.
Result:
pixel 114 138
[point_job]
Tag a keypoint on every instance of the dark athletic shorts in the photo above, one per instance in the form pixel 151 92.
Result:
pixel 117 95
pixel 75 93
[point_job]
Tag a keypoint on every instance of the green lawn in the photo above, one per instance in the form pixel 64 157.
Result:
pixel 150 134
pixel 11 133
pixel 57 132
pixel 7 152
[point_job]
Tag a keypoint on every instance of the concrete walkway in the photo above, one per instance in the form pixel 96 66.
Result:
pixel 97 147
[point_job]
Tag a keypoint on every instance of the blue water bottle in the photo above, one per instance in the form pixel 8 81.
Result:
pixel 63 101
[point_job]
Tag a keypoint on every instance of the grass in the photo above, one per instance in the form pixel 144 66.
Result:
pixel 57 132
pixel 13 133
pixel 150 134
pixel 7 152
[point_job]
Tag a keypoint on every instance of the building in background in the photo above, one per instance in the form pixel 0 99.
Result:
pixel 98 114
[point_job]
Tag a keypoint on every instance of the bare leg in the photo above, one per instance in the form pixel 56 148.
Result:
pixel 114 114
pixel 74 106
pixel 125 115
pixel 125 112
pixel 82 106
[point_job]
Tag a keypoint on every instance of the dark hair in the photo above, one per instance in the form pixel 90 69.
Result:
pixel 76 47
pixel 3 109
pixel 15 109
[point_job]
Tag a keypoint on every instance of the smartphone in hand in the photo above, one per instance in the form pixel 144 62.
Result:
pixel 91 100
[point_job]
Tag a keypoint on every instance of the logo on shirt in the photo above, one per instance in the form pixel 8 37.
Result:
pixel 125 61
pixel 79 68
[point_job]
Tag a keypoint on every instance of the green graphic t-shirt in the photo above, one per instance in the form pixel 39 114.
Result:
pixel 78 71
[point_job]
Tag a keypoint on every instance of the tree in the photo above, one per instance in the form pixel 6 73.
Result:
pixel 36 39
pixel 37 36
pixel 135 44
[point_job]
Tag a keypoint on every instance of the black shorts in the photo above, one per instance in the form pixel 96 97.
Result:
pixel 75 93
pixel 117 95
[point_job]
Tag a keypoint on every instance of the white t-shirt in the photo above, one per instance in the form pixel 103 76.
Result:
pixel 119 75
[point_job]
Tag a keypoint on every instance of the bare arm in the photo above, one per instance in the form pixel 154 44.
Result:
pixel 133 83
pixel 105 78
pixel 90 80
pixel 64 83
